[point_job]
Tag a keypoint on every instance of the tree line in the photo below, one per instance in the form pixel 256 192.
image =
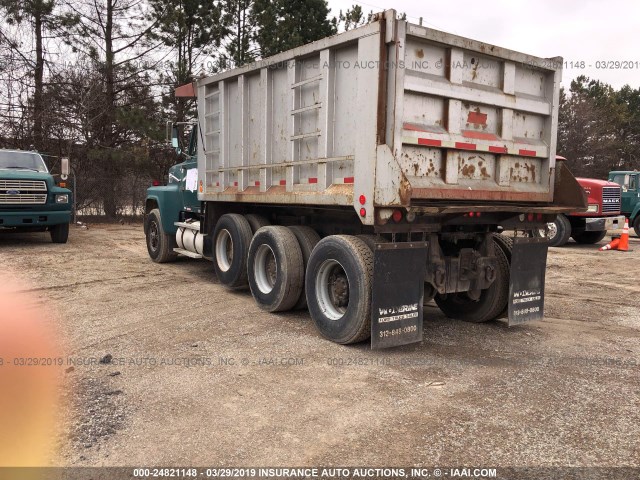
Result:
pixel 94 79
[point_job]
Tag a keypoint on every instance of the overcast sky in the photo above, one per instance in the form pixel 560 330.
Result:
pixel 588 30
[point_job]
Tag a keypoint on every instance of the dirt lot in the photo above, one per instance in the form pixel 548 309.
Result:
pixel 264 389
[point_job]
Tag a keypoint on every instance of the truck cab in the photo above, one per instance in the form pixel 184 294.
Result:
pixel 175 202
pixel 30 198
pixel 629 181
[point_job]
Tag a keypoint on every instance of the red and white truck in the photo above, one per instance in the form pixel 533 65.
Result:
pixel 603 213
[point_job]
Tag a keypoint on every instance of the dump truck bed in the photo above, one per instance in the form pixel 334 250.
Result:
pixel 390 114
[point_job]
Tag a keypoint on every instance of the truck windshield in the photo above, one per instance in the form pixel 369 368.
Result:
pixel 22 160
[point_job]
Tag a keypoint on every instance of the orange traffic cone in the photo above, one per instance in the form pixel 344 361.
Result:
pixel 613 245
pixel 624 240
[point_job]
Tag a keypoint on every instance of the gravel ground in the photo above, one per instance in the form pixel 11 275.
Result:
pixel 172 369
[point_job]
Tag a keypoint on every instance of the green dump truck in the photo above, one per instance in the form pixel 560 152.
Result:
pixel 30 199
pixel 629 180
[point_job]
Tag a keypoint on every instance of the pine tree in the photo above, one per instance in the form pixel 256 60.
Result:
pixel 286 24
pixel 191 29
pixel 43 17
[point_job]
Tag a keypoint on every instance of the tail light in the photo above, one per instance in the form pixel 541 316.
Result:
pixel 397 215
pixel 156 183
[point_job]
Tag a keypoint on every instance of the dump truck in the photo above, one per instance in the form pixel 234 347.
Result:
pixel 603 214
pixel 629 181
pixel 31 200
pixel 367 173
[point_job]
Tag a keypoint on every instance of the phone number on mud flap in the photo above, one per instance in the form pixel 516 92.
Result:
pixel 398 331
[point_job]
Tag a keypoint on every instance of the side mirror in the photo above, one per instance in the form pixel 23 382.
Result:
pixel 65 168
pixel 175 143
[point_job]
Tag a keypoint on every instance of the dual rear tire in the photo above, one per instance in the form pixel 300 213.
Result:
pixel 273 260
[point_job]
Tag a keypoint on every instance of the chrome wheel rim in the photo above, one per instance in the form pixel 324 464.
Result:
pixel 552 231
pixel 265 269
pixel 332 289
pixel 224 250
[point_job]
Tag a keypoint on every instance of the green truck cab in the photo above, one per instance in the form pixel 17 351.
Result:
pixel 630 183
pixel 168 205
pixel 30 199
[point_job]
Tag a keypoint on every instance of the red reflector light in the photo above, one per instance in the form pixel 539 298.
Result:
pixel 363 212
pixel 471 214
pixel 156 183
pixel 530 217
pixel 362 199
pixel 539 217
pixel 397 216
pixel 478 214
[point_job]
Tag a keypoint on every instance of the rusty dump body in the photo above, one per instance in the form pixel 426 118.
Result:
pixel 388 115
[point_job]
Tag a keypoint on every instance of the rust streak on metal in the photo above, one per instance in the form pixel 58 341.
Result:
pixel 466 194
pixel 382 85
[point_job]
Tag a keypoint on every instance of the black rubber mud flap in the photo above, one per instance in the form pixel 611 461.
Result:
pixel 526 288
pixel 398 289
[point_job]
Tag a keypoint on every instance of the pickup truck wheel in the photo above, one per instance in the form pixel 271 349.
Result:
pixel 636 225
pixel 275 268
pixel 159 244
pixel 60 233
pixel 231 240
pixel 307 238
pixel 492 301
pixel 589 237
pixel 256 222
pixel 338 287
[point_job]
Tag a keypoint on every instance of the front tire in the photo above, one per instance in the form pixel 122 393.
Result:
pixel 636 225
pixel 231 240
pixel 589 238
pixel 338 287
pixel 159 243
pixel 492 301
pixel 559 231
pixel 60 233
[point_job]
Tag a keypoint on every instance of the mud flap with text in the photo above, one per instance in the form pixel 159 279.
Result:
pixel 526 288
pixel 397 294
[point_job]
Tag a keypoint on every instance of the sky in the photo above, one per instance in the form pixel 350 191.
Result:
pixel 598 33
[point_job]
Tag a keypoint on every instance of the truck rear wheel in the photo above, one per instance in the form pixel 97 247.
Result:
pixel 307 238
pixel 338 287
pixel 589 237
pixel 231 240
pixel 506 244
pixel 275 269
pixel 60 233
pixel 159 243
pixel 256 221
pixel 492 301
pixel 371 240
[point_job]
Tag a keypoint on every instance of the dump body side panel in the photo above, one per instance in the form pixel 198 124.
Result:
pixel 387 115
